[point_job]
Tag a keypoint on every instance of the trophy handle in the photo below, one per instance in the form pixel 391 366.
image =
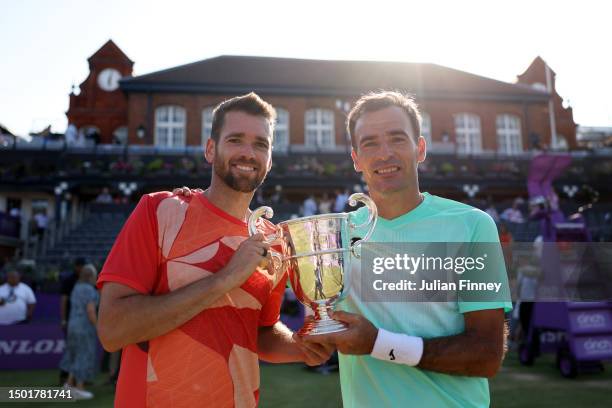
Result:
pixel 266 212
pixel 372 217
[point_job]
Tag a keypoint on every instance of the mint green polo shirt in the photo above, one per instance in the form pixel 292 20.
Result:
pixel 369 382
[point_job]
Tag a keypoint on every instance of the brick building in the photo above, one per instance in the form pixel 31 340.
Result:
pixel 101 106
pixel 462 112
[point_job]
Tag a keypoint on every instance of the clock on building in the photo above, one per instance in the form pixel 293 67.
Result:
pixel 108 79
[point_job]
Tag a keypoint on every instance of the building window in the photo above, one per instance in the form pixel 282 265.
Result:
pixel 120 135
pixel 281 131
pixel 467 132
pixel 509 139
pixel 170 126
pixel 207 117
pixel 320 128
pixel 561 143
pixel 426 127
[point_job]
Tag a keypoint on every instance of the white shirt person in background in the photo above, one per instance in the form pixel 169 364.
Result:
pixel 17 300
pixel 309 207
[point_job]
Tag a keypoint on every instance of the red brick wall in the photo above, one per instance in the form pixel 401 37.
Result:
pixel 442 119
pixel 441 111
pixel 564 117
pixel 194 105
pixel 96 107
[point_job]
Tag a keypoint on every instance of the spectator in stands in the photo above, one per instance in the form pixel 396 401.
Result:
pixel 277 197
pixel 68 284
pixel 506 239
pixel 71 135
pixel 41 221
pixel 513 214
pixel 341 200
pixel 17 300
pixel 94 136
pixel 310 206
pixel 505 236
pixel 81 139
pixel 15 212
pixel 104 197
pixel 121 199
pixel 79 358
pixel 325 205
pixel 527 281
pixel 491 210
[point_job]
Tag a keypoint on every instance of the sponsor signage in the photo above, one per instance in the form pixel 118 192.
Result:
pixel 31 346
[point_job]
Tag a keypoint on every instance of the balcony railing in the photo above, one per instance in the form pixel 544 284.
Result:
pixel 21 164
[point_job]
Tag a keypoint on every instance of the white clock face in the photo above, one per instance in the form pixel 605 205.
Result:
pixel 108 79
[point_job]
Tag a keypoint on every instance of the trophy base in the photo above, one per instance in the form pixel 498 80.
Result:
pixel 322 326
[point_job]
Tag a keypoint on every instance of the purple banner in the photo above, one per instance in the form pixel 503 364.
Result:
pixel 593 348
pixel 47 307
pixel 31 346
pixel 591 321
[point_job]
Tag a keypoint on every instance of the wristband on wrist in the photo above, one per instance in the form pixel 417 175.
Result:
pixel 398 348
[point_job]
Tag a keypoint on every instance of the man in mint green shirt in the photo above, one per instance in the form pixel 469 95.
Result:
pixel 429 354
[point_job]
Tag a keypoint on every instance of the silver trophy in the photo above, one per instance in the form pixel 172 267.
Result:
pixel 316 251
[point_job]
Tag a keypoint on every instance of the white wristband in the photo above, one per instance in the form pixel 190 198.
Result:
pixel 398 348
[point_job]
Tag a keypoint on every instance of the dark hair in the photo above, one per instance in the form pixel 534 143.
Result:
pixel 250 103
pixel 378 100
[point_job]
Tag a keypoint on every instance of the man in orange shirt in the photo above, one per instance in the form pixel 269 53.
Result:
pixel 187 294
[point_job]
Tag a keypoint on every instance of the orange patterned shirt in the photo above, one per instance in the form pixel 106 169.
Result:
pixel 168 242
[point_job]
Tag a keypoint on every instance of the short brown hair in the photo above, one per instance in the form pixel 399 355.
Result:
pixel 250 103
pixel 378 100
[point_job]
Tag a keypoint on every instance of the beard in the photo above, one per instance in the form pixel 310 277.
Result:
pixel 243 184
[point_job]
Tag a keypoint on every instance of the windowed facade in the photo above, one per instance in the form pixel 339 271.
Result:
pixel 509 139
pixel 426 127
pixel 468 134
pixel 207 117
pixel 561 143
pixel 319 128
pixel 170 126
pixel 120 135
pixel 281 131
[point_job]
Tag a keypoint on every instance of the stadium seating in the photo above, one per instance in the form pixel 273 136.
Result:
pixel 91 240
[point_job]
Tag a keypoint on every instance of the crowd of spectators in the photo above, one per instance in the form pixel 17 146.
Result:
pixel 78 303
pixel 324 203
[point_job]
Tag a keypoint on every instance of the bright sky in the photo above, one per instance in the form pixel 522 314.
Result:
pixel 44 45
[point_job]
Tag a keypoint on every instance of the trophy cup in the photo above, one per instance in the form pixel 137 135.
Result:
pixel 316 251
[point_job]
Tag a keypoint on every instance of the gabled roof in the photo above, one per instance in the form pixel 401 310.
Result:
pixel 110 51
pixel 5 131
pixel 287 76
pixel 538 64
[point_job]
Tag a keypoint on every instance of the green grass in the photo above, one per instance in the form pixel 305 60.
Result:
pixel 291 385
pixel 542 386
pixel 104 394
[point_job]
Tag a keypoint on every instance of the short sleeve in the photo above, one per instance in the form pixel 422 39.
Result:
pixel 134 258
pixel 90 295
pixel 485 233
pixel 270 312
pixel 30 298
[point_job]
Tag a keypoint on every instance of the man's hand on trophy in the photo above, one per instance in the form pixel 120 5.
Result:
pixel 358 338
pixel 314 353
pixel 186 191
pixel 269 263
pixel 250 253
